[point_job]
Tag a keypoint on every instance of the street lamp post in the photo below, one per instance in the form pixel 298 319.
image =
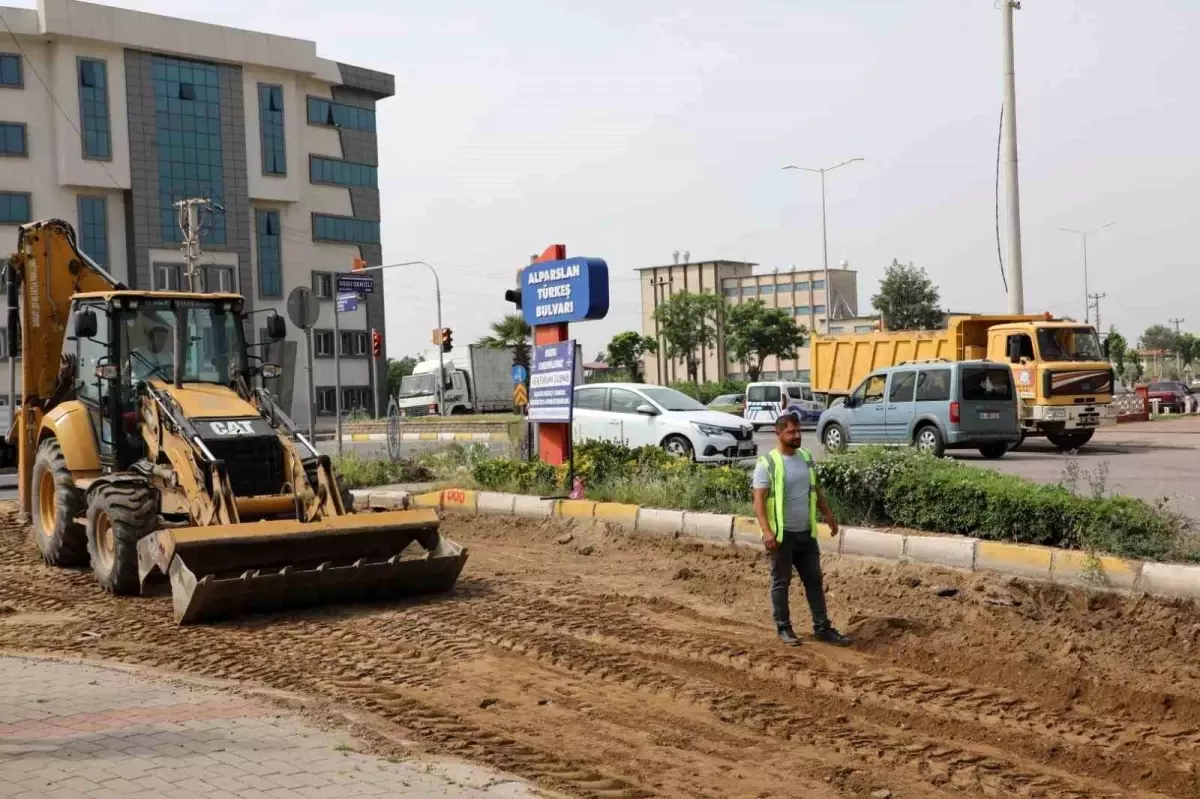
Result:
pixel 824 232
pixel 437 287
pixel 1083 234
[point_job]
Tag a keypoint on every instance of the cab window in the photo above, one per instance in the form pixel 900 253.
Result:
pixel 1022 345
pixel 89 352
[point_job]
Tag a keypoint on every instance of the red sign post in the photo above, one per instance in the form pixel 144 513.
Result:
pixel 554 440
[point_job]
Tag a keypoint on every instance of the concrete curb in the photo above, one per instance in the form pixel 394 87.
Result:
pixel 413 438
pixel 1043 564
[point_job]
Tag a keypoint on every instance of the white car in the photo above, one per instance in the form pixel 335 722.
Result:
pixel 638 415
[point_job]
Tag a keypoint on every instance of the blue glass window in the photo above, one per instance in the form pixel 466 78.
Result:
pixel 14 208
pixel 802 310
pixel 818 309
pixel 188 137
pixel 337 115
pixel 818 285
pixel 342 173
pixel 93 108
pixel 12 138
pixel 270 257
pixel 10 71
pixel 93 228
pixel 345 229
pixel 270 122
pixel 801 285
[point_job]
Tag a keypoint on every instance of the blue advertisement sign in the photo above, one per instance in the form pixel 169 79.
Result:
pixel 552 383
pixel 571 290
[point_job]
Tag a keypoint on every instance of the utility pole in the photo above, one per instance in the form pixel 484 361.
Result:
pixel 1095 303
pixel 1178 361
pixel 1016 286
pixel 1083 234
pixel 189 225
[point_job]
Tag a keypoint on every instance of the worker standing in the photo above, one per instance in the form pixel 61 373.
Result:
pixel 786 499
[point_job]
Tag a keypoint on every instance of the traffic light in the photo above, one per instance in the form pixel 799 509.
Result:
pixel 447 339
pixel 376 344
pixel 514 295
pixel 357 265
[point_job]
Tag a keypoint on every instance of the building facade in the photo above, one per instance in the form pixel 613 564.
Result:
pixel 108 117
pixel 801 293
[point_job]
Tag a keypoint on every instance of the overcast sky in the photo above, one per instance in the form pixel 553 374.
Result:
pixel 627 129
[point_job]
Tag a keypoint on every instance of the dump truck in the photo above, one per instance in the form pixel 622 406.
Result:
pixel 1059 367
pixel 146 450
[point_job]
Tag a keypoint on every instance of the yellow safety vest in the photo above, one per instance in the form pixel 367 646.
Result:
pixel 773 462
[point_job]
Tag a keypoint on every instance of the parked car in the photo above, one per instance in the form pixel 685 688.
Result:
pixel 639 415
pixel 932 405
pixel 728 403
pixel 1171 395
pixel 766 400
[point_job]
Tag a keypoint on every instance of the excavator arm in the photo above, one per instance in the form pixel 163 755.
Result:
pixel 47 270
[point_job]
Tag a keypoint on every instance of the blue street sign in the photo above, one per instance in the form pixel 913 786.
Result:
pixel 347 303
pixel 519 373
pixel 552 384
pixel 359 284
pixel 572 290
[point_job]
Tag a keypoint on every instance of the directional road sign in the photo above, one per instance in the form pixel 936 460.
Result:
pixel 519 373
pixel 520 396
pixel 347 303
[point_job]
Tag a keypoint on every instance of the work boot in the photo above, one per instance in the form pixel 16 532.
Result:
pixel 788 636
pixel 830 635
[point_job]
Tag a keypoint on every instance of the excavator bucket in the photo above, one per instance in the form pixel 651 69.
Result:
pixel 222 571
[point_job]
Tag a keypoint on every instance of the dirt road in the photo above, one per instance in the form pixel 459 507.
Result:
pixel 607 666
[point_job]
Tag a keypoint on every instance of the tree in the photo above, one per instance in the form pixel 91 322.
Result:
pixel 1188 347
pixel 398 370
pixel 754 332
pixel 687 322
pixel 1159 337
pixel 625 352
pixel 510 331
pixel 908 299
pixel 1117 349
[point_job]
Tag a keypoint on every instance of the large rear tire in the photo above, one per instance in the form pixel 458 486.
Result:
pixel 1070 441
pixel 56 503
pixel 119 516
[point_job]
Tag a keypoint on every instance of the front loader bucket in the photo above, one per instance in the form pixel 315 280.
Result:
pixel 230 570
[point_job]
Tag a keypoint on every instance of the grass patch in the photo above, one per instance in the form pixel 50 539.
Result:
pixel 357 471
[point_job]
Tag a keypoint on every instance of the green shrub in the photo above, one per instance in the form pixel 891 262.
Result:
pixel 358 471
pixel 707 392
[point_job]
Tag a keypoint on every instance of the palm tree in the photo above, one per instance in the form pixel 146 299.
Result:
pixel 511 331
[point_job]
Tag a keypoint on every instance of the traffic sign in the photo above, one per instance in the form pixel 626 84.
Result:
pixel 359 284
pixel 520 396
pixel 552 385
pixel 519 373
pixel 302 307
pixel 347 303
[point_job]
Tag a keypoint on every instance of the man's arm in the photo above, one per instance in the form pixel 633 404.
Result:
pixel 826 512
pixel 764 525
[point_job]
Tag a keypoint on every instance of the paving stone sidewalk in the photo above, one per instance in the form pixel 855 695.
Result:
pixel 85 732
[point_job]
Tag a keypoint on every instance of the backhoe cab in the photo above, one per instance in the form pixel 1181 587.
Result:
pixel 146 449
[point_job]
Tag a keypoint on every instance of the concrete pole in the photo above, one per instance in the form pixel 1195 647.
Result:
pixel 337 367
pixel 1016 286
pixel 825 258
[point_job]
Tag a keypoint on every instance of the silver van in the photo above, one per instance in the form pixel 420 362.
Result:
pixel 932 405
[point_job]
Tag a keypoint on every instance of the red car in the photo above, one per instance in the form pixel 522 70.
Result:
pixel 1170 395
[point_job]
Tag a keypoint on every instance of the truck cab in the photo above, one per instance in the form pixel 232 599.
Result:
pixel 1061 374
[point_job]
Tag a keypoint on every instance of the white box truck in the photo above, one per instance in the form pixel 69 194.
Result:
pixel 477 380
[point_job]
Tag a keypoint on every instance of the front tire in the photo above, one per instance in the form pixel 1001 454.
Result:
pixel 834 439
pixel 56 503
pixel 119 516
pixel 679 446
pixel 928 440
pixel 994 450
pixel 1069 441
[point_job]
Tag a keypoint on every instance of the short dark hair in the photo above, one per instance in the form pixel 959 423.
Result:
pixel 786 418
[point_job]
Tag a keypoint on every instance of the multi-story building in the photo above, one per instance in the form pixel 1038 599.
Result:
pixel 802 293
pixel 108 117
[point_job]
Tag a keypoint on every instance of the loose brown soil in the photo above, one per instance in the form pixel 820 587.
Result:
pixel 649 668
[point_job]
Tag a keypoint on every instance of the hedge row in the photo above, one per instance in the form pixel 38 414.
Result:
pixel 888 487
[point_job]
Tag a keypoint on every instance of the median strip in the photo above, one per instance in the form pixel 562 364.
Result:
pixel 1044 564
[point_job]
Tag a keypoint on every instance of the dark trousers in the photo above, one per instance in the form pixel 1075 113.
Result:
pixel 801 552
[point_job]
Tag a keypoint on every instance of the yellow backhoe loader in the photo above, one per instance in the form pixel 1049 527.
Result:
pixel 144 447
